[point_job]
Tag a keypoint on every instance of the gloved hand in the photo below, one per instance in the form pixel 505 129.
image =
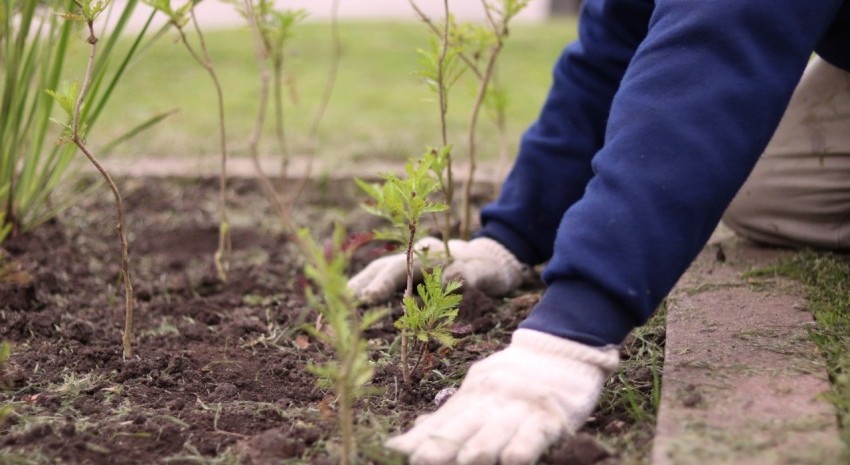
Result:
pixel 513 404
pixel 481 263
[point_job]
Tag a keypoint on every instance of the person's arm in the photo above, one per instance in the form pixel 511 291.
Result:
pixel 699 102
pixel 701 98
pixel 553 165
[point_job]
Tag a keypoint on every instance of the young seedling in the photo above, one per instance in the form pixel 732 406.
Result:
pixel 71 98
pixel 441 67
pixel 179 18
pixel 403 202
pixel 351 368
pixel 431 320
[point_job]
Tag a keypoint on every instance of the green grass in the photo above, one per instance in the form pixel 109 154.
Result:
pixel 827 280
pixel 632 395
pixel 379 109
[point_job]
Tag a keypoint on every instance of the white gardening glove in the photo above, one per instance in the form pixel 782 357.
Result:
pixel 481 263
pixel 513 404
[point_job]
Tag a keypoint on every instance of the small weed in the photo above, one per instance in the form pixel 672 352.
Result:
pixel 348 374
pixel 403 202
pixel 431 320
pixel 631 397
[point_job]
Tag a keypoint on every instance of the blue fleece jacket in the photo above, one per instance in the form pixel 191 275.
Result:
pixel 654 120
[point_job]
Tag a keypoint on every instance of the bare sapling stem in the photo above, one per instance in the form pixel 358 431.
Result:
pixel 499 33
pixel 318 117
pixel 223 253
pixel 504 143
pixel 346 401
pixel 408 293
pixel 446 187
pixel 262 51
pixel 280 127
pixel 441 80
pixel 78 140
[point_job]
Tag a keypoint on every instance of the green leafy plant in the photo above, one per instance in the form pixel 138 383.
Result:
pixel 34 43
pixel 431 320
pixel 403 202
pixel 71 97
pixel 179 18
pixel 350 370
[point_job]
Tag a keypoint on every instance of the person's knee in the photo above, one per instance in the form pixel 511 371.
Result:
pixel 745 216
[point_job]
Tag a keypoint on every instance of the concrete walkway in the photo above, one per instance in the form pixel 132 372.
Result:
pixel 743 382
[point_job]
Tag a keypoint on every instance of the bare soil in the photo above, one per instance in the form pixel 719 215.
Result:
pixel 221 374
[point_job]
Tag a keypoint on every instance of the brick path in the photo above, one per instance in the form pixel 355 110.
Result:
pixel 743 382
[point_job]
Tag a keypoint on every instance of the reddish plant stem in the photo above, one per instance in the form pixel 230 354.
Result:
pixel 262 51
pixel 127 337
pixel 499 31
pixel 223 253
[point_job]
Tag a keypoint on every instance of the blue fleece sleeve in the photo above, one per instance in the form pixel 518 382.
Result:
pixel 698 103
pixel 553 164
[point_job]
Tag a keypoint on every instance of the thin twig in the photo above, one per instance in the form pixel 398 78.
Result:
pixel 262 51
pixel 330 84
pixel 447 185
pixel 499 31
pixel 127 337
pixel 223 253
pixel 470 63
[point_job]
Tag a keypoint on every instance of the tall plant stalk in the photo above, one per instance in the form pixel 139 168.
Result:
pixel 90 12
pixel 179 18
pixel 263 52
pixel 498 20
pixel 442 78
pixel 452 41
pixel 272 31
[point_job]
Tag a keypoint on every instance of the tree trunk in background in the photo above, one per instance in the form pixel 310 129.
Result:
pixel 564 7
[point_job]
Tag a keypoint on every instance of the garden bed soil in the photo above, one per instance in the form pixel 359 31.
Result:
pixel 221 369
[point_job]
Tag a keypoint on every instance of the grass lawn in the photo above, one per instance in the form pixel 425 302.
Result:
pixel 379 109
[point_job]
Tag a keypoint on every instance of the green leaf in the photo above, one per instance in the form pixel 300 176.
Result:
pixel 66 95
pixel 371 317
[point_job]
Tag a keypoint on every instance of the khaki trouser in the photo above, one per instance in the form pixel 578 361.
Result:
pixel 799 192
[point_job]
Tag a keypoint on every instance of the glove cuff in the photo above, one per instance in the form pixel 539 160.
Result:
pixel 606 358
pixel 498 252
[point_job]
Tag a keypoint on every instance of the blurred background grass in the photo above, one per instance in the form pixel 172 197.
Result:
pixel 379 109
